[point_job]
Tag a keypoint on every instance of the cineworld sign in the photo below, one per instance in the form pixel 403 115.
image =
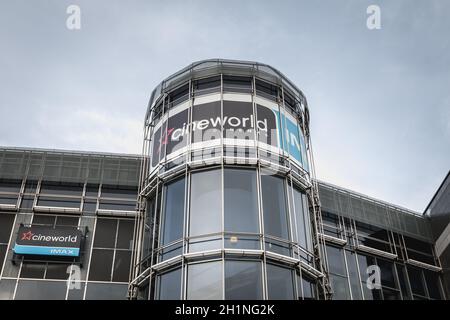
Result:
pixel 236 125
pixel 47 241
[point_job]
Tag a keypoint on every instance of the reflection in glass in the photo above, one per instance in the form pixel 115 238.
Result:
pixel 206 202
pixel 169 285
pixel 173 213
pixel 274 206
pixel 241 201
pixel 204 281
pixel 280 283
pixel 243 280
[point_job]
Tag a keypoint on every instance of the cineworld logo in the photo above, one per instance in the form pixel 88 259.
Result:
pixel 247 123
pixel 29 236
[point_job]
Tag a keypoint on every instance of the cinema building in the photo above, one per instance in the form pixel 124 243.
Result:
pixel 223 203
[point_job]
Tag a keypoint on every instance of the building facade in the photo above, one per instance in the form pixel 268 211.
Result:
pixel 222 204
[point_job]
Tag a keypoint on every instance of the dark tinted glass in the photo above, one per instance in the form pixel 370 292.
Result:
pixel 44 220
pixel 274 206
pixel 58 202
pixel 280 283
pixel 67 221
pixel 10 186
pixel 389 294
pixel 119 205
pixel 170 285
pixel 125 236
pixel 206 202
pixel 309 289
pixel 89 206
pixel 403 280
pixel 119 192
pixel 92 190
pixel 243 280
pixel 75 293
pixel 27 202
pixel 57 271
pixel 336 262
pixel 2 254
pixel 61 189
pixel 33 270
pixel 205 281
pixel 41 290
pixel 101 265
pixel 122 262
pixel 106 291
pixel 339 284
pixel 416 281
pixel 387 273
pixel 6 222
pixel 105 234
pixel 174 212
pixel 241 201
pixel 433 284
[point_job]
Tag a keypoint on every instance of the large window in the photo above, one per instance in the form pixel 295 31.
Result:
pixel 243 280
pixel 111 253
pixel 169 285
pixel 280 282
pixel 274 206
pixel 204 281
pixel 205 209
pixel 241 206
pixel 172 226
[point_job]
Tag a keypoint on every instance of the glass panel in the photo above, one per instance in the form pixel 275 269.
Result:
pixel 6 222
pixel 122 262
pixel 353 275
pixel 280 283
pixel 340 288
pixel 274 206
pixel 67 221
pixel 105 234
pixel 309 289
pixel 32 270
pixel 433 284
pixel 336 262
pixel 106 291
pixel 76 293
pixel 416 280
pixel 243 280
pixel 57 271
pixel 59 202
pixel 101 265
pixel 125 236
pixel 10 186
pixel 386 273
pixel 41 290
pixel 120 205
pixel 389 294
pixel 206 202
pixel 61 189
pixel 403 282
pixel 174 212
pixel 241 201
pixel 119 192
pixel 44 220
pixel 300 217
pixel 205 281
pixel 169 285
pixel 7 289
pixel 9 200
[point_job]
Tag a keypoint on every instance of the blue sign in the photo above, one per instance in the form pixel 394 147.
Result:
pixel 46 251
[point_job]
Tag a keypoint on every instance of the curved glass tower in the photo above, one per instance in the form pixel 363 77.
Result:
pixel 228 204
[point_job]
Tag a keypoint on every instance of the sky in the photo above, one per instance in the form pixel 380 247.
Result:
pixel 379 99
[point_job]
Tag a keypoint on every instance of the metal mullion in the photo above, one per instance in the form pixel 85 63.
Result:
pixel 90 258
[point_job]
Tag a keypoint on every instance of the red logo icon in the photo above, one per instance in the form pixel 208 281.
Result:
pixel 27 235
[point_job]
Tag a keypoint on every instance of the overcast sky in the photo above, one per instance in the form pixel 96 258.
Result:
pixel 379 99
